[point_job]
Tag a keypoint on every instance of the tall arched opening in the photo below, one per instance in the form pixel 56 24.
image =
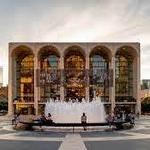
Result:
pixel 23 60
pixel 99 73
pixel 49 73
pixel 74 68
pixel 125 76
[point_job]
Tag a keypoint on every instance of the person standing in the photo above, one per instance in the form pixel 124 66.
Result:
pixel 83 121
pixel 110 119
pixel 16 119
pixel 132 118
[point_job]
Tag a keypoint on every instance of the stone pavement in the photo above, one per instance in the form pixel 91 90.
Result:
pixel 137 138
pixel 73 142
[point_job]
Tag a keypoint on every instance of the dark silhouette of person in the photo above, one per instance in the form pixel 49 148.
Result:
pixel 84 120
pixel 49 118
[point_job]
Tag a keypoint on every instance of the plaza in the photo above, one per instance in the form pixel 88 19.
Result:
pixel 137 138
pixel 74 75
pixel 76 72
pixel 39 72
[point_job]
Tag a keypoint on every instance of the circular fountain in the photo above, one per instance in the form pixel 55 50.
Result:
pixel 71 112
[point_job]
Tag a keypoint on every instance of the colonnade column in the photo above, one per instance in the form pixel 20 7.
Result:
pixel 87 91
pixel 62 90
pixel 36 86
pixel 10 88
pixel 138 89
pixel 112 84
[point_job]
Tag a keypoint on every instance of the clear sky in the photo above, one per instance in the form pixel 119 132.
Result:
pixel 75 20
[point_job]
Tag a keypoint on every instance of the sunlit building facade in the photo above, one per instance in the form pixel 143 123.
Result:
pixel 39 72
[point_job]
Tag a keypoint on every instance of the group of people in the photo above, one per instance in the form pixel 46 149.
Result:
pixel 121 116
pixel 42 119
pixel 48 119
pixel 45 119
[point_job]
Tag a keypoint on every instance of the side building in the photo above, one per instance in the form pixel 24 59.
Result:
pixel 39 72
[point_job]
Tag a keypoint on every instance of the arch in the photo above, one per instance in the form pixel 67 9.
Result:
pixel 99 72
pixel 124 62
pixel 103 51
pixel 48 57
pixel 74 48
pixel 74 64
pixel 48 50
pixel 23 61
pixel 21 51
pixel 127 50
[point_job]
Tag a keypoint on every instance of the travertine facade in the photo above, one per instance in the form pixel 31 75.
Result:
pixel 118 84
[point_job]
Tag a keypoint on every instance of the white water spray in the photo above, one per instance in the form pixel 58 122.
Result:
pixel 71 112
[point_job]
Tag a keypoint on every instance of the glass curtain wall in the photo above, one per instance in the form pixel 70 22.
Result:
pixel 124 76
pixel 99 73
pixel 49 75
pixel 25 77
pixel 74 75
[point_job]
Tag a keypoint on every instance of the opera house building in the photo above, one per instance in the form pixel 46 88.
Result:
pixel 40 72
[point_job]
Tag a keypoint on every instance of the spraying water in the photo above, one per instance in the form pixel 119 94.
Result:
pixel 71 112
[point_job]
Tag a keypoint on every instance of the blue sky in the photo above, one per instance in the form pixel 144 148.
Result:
pixel 75 20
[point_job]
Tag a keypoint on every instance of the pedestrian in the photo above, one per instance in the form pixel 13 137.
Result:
pixel 42 121
pixel 109 119
pixel 16 119
pixel 132 118
pixel 83 121
pixel 138 115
